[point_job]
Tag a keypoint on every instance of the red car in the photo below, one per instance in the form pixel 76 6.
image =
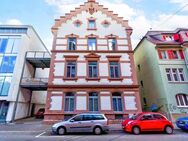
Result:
pixel 40 113
pixel 147 121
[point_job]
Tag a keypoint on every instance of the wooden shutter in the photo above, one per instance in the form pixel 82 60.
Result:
pixel 159 53
pixel 181 54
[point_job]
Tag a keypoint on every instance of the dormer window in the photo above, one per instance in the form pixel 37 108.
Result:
pixel 105 23
pixel 77 23
pixel 91 24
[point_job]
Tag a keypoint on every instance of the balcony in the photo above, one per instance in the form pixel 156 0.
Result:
pixel 38 59
pixel 37 84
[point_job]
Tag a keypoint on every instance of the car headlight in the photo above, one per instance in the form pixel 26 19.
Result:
pixel 129 122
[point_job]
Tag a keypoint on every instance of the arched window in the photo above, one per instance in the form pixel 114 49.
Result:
pixel 93 102
pixel 117 102
pixel 182 100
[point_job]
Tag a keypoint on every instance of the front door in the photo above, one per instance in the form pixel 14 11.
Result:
pixel 3 110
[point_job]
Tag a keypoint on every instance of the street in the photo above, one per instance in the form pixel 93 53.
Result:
pixel 36 131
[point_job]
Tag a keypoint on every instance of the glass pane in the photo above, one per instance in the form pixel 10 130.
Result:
pixel 119 105
pixel 6 86
pixel 1 84
pixel 112 44
pixel 12 62
pixel 10 45
pixel 112 72
pixel 92 43
pixel 16 46
pixel 3 44
pixel 117 72
pixel 96 104
pixel 66 104
pixel 73 72
pixel 114 104
pixel 90 104
pixel 72 43
pixel 4 65
pixel 91 24
pixel 71 104
pixel 68 71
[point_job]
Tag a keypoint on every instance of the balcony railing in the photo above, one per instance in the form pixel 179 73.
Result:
pixel 34 83
pixel 39 59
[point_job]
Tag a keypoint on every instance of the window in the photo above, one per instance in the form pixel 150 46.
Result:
pixel 158 117
pixel 10 45
pixel 92 24
pixel 5 82
pixel 142 84
pixel 71 43
pixel 69 102
pixel 71 70
pixel 3 44
pixel 93 69
pixel 168 73
pixel 93 102
pixel 114 70
pixel 175 54
pixel 181 74
pixel 175 74
pixel 182 100
pixel 92 43
pixel 98 117
pixel 164 54
pixel 147 117
pixel 117 102
pixel 8 64
pixel 78 118
pixel 13 30
pixel 112 43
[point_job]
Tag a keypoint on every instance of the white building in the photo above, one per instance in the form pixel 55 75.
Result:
pixel 92 65
pixel 15 99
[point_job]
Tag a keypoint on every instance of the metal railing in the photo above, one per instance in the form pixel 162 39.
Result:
pixel 38 54
pixel 26 81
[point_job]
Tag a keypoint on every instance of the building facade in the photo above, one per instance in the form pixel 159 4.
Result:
pixel 162 68
pixel 92 65
pixel 15 41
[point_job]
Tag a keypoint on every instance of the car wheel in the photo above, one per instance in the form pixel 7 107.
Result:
pixel 61 131
pixel 168 130
pixel 136 130
pixel 97 131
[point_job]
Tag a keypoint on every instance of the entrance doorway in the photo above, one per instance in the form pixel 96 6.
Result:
pixel 3 110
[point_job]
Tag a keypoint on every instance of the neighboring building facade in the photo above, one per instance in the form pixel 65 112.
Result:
pixel 92 65
pixel 15 41
pixel 162 68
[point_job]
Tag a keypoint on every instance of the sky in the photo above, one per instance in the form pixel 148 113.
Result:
pixel 143 15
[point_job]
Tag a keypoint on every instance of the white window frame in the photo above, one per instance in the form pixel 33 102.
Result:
pixel 164 52
pixel 183 96
pixel 177 73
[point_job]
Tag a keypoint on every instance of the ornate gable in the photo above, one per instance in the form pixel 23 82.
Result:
pixel 90 6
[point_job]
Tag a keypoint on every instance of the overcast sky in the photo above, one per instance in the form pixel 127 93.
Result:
pixel 143 15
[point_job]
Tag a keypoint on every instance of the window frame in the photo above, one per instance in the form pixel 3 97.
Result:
pixel 66 71
pixel 115 48
pixel 88 44
pixel 70 48
pixel 92 66
pixel 178 74
pixel 71 108
pixel 181 98
pixel 117 108
pixel 94 27
pixel 114 70
pixel 93 98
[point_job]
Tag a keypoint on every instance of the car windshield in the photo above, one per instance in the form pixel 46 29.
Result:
pixel 134 117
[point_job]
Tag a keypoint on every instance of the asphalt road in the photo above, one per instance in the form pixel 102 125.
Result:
pixel 36 131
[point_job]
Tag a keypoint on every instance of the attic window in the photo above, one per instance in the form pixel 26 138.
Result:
pixel 105 23
pixel 174 37
pixel 77 23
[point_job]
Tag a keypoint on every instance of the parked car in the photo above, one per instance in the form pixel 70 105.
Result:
pixel 182 123
pixel 96 123
pixel 40 113
pixel 147 121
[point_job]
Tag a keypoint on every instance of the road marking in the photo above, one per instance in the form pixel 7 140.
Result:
pixel 40 134
pixel 17 131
